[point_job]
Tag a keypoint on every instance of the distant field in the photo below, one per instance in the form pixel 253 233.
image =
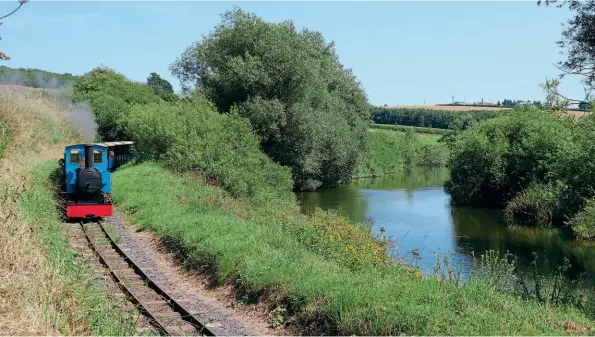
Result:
pixel 441 107
pixel 417 129
pixel 578 114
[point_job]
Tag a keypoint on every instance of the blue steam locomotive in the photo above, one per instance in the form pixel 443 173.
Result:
pixel 87 172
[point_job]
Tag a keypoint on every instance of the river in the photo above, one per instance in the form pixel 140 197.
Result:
pixel 414 209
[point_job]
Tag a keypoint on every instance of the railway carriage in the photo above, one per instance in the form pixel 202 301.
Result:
pixel 87 177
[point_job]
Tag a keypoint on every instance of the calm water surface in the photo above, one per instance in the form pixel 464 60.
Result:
pixel 413 207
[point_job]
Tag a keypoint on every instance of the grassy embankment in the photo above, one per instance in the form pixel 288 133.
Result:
pixel 390 151
pixel 322 272
pixel 44 288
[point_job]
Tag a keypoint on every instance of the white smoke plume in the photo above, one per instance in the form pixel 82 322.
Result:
pixel 40 80
pixel 81 115
pixel 78 112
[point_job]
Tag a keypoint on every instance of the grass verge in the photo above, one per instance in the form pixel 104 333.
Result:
pixel 4 138
pixel 390 151
pixel 266 259
pixel 43 289
pixel 91 312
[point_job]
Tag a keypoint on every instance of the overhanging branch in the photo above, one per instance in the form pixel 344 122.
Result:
pixel 21 3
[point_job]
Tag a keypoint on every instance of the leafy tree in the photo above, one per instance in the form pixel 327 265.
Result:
pixel 310 113
pixel 508 103
pixel 192 136
pixel 161 87
pixel 111 97
pixel 578 41
pixel 584 106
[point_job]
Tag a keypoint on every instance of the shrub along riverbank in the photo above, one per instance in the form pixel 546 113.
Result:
pixel 535 164
pixel 44 289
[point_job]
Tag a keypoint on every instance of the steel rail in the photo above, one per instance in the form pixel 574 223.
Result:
pixel 123 286
pixel 185 314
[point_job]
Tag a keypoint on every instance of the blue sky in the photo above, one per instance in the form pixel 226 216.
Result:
pixel 404 53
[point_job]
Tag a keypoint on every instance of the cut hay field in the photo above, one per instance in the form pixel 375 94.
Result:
pixel 578 114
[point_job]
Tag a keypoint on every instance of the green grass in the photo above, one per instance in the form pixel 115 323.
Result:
pixel 268 258
pixel 428 140
pixel 415 129
pixel 391 151
pixel 39 207
pixel 4 138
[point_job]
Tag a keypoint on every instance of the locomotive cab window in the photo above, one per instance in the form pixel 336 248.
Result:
pixel 98 156
pixel 75 156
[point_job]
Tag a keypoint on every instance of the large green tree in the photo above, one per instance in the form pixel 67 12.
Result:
pixel 161 87
pixel 311 113
pixel 111 96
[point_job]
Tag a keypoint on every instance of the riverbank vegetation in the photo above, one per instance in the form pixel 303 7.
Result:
pixel 44 289
pixel 390 151
pixel 535 164
pixel 325 274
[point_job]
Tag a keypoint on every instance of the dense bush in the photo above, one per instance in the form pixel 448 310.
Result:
pixel 111 96
pixel 577 165
pixel 440 119
pixel 583 223
pixel 537 165
pixel 310 113
pixel 537 205
pixel 192 136
pixel 493 161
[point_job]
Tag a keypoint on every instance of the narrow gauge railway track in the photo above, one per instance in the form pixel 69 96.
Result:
pixel 167 314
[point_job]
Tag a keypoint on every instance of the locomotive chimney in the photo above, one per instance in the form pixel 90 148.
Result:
pixel 88 155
